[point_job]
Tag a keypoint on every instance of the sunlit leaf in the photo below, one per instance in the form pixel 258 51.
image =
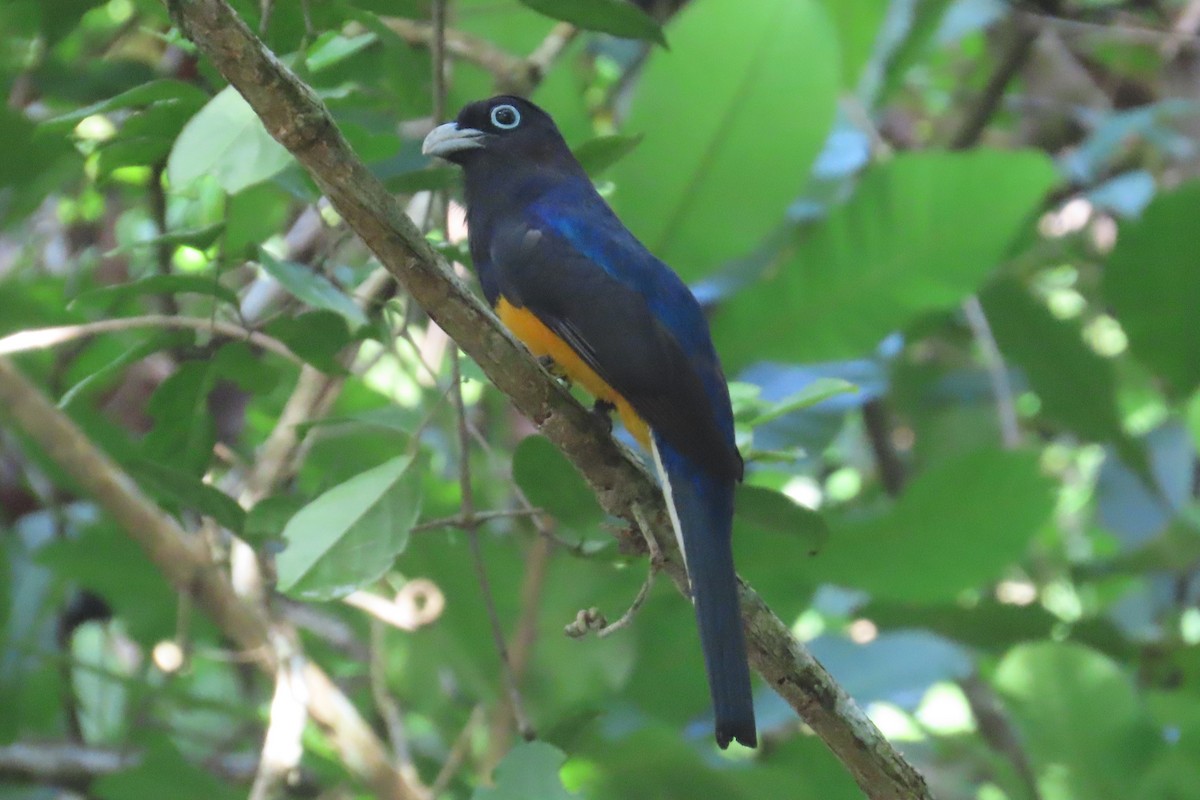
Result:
pixel 227 141
pixel 529 770
pixel 1082 748
pixel 350 535
pixel 960 523
pixel 920 233
pixel 745 98
pixel 1153 286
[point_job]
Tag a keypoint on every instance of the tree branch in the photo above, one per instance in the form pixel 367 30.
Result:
pixel 187 566
pixel 293 115
pixel 40 338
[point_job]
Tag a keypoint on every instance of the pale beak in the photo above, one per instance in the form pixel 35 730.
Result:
pixel 445 140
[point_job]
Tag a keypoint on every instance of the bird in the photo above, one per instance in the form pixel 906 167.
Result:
pixel 571 282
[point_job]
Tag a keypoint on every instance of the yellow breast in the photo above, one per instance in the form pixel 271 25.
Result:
pixel 542 341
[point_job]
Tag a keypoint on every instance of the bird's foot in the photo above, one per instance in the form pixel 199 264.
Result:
pixel 602 410
pixel 551 366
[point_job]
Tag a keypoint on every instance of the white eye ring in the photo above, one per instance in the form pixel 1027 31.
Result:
pixel 509 125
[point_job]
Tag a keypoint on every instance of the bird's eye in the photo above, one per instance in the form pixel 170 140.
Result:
pixel 506 117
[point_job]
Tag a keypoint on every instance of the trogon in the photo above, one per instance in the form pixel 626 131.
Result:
pixel 572 283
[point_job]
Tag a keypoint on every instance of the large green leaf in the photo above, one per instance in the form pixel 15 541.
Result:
pixel 530 770
pixel 1076 385
pixel 859 24
pixel 733 117
pixel 142 95
pixel 956 525
pixel 551 482
pixel 312 287
pixel 227 141
pixel 919 234
pixel 1152 282
pixel 1081 721
pixel 350 535
pixel 618 17
pixel 179 487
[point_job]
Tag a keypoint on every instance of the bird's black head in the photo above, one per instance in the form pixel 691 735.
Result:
pixel 502 129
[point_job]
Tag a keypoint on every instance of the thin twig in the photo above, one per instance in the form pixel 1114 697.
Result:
pixel 389 709
pixel 506 69
pixel 472 528
pixel 547 52
pixel 282 745
pixel 997 370
pixel 537 564
pixel 42 338
pixel 989 100
pixel 878 425
pixel 458 753
pixel 460 521
pixel 157 200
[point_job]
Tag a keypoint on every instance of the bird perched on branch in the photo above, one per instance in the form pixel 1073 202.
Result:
pixel 572 283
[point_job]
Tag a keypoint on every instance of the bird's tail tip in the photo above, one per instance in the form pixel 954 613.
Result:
pixel 740 730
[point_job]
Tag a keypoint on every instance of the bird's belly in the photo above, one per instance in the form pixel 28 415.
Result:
pixel 542 341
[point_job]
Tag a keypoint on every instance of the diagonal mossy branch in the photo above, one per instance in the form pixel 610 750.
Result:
pixel 292 114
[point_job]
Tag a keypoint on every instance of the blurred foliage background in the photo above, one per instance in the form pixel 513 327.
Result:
pixel 945 244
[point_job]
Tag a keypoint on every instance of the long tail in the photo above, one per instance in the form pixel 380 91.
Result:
pixel 702 513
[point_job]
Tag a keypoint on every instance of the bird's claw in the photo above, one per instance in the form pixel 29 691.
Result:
pixel 602 410
pixel 552 366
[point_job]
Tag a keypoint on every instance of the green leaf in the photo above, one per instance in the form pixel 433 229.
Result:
pixel 528 771
pixel 200 238
pixel 1152 283
pixel 236 361
pixel 391 417
pixel 816 392
pixel 761 511
pixel 268 518
pixel 1080 719
pixel 45 164
pixel 110 296
pixel 107 561
pixel 162 765
pixel 426 179
pixel 111 370
pixel 957 525
pixel 993 626
pixel 332 47
pixel 168 483
pixel 349 536
pixel 920 233
pixel 618 17
pixel 226 140
pixel 597 155
pixel 859 27
pixel 146 138
pixel 1076 385
pixel 315 336
pixel 550 482
pixel 312 288
pixel 184 431
pixel 733 118
pixel 143 95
